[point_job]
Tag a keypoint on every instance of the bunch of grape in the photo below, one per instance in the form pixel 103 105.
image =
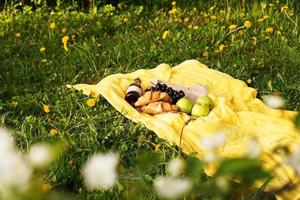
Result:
pixel 175 95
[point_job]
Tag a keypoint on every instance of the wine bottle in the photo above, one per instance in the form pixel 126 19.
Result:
pixel 134 91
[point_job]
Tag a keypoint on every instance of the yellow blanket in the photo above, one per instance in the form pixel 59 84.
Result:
pixel 236 111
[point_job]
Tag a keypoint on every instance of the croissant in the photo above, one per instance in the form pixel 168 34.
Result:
pixel 151 96
pixel 158 107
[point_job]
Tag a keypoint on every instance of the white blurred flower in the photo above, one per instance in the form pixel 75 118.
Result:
pixel 222 183
pixel 172 188
pixel 40 155
pixel 209 142
pixel 176 167
pixel 253 148
pixel 274 101
pixel 294 160
pixel 14 171
pixel 100 171
pixel 6 141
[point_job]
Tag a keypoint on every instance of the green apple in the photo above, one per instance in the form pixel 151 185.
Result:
pixel 204 100
pixel 184 105
pixel 200 110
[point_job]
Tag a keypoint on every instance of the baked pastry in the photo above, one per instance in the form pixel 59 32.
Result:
pixel 151 96
pixel 158 107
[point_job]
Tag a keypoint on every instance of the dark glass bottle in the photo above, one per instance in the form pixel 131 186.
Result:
pixel 134 91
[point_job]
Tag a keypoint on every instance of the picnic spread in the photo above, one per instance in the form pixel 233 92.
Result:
pixel 183 103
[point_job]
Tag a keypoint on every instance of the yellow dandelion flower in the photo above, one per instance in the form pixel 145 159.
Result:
pixel 221 47
pixel 94 94
pixel 64 30
pixel 91 102
pixel 42 49
pixel 249 81
pixel 205 54
pixel 18 34
pixel 269 30
pixel 46 187
pixel 265 17
pixel 196 27
pixel 260 20
pixel 190 26
pixel 165 35
pixel 52 25
pixel 186 19
pixel 44 60
pixel 53 132
pixel 65 39
pixel 46 108
pixel 173 3
pixel 65 42
pixel 248 24
pixel 173 11
pixel 153 46
pixel 213 17
pixel 232 27
pixel 283 8
pixel 125 20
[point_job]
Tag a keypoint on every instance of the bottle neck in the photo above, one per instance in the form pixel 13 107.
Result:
pixel 135 84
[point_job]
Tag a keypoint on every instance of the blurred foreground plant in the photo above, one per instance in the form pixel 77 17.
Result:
pixel 182 177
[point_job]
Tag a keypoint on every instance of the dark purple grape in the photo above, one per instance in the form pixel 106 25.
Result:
pixel 169 89
pixel 182 93
pixel 153 89
pixel 146 90
pixel 172 93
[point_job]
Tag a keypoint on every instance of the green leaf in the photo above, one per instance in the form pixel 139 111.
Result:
pixel 147 160
pixel 194 167
pixel 231 166
pixel 248 170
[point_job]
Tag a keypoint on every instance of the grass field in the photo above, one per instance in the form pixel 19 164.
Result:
pixel 258 43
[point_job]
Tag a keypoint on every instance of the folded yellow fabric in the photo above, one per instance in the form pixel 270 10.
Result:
pixel 236 111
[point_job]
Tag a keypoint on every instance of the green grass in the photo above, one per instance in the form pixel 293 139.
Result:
pixel 106 45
